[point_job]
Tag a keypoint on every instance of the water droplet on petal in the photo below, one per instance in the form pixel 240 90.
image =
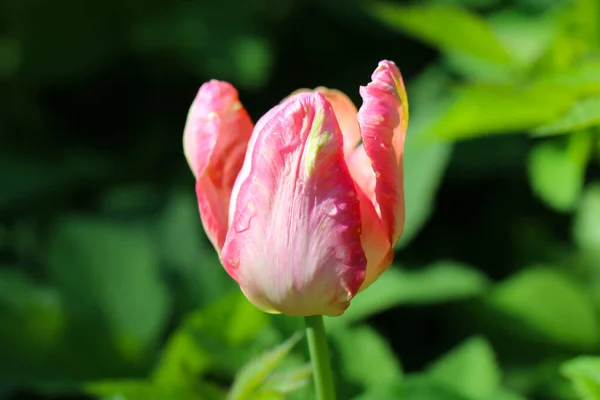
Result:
pixel 242 222
pixel 331 209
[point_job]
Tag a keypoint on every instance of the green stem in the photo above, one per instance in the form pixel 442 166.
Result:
pixel 319 355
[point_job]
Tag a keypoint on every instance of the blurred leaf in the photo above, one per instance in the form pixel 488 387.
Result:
pixel 10 56
pixel 584 373
pixel 480 110
pixel 110 270
pixel 253 374
pixel 424 163
pixel 506 394
pixel 186 249
pixel 477 70
pixel 441 282
pixel 581 79
pixel 546 301
pixel 362 346
pixel 31 302
pixel 430 23
pixel 583 114
pixel 32 321
pixel 252 59
pixel 424 169
pixel 413 387
pixel 216 337
pixel 541 377
pixel 37 178
pixel 287 381
pixel 526 38
pixel 469 3
pixel 577 37
pixel 557 172
pixel 470 370
pixel 142 390
pixel 586 228
pixel 131 199
pixel 584 16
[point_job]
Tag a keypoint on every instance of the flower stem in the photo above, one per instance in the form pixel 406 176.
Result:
pixel 319 355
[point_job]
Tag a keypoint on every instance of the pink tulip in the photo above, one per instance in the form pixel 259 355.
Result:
pixel 304 208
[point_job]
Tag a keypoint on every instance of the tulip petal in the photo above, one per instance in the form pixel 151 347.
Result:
pixel 345 113
pixel 215 139
pixel 294 242
pixel 377 164
pixel 375 242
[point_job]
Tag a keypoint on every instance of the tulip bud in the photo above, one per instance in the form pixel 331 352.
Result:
pixel 313 214
pixel 294 240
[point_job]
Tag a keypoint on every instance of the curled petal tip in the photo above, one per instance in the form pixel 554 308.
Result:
pixel 377 166
pixel 388 73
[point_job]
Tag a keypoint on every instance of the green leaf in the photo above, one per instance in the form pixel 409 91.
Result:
pixel 254 373
pixel 583 18
pixel 424 169
pixel 525 38
pixel 470 370
pixel 430 23
pixel 557 171
pixel 110 272
pixel 142 390
pixel 186 250
pixel 287 381
pixel 584 373
pixel 506 394
pixel 10 56
pixel 586 228
pixel 39 177
pixel 362 346
pixel 440 282
pixel 550 304
pixel 222 336
pixel 583 114
pixel 32 322
pixel 477 70
pixel 413 387
pixel 480 110
pixel 581 79
pixel 424 163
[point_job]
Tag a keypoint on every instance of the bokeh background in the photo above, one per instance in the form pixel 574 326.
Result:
pixel 110 289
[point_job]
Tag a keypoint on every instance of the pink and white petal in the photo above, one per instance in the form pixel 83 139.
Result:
pixel 294 241
pixel 215 139
pixel 375 242
pixel 377 164
pixel 345 112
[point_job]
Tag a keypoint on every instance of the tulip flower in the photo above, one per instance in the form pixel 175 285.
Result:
pixel 305 207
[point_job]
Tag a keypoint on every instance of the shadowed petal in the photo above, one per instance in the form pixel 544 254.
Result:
pixel 294 241
pixel 377 168
pixel 377 164
pixel 215 138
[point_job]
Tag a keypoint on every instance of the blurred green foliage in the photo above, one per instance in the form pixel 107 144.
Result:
pixel 109 288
